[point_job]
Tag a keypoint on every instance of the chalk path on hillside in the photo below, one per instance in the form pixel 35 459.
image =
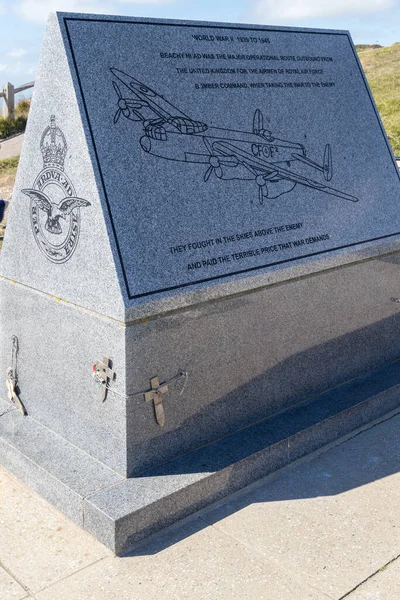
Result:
pixel 11 147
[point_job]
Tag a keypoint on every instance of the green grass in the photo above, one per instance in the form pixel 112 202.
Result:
pixel 22 107
pixel 362 47
pixel 8 127
pixel 382 68
pixel 8 166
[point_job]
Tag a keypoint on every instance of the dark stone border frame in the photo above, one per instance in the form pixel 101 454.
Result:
pixel 237 28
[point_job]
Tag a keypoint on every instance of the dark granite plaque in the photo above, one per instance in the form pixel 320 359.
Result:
pixel 227 150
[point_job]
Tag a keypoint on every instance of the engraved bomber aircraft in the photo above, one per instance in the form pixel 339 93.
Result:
pixel 228 154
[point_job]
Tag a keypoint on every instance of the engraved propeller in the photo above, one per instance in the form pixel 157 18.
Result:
pixel 262 188
pixel 127 107
pixel 261 181
pixel 216 160
pixel 122 106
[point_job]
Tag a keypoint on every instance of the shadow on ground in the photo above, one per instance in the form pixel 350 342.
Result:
pixel 369 456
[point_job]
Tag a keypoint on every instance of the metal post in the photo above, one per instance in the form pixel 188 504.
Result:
pixel 8 101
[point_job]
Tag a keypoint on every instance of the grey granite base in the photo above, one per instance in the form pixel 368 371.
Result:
pixel 120 512
pixel 248 357
pixel 52 466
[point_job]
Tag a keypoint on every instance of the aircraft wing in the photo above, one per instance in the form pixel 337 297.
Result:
pixel 262 165
pixel 148 97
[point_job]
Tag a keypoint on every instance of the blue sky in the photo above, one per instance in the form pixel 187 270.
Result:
pixel 22 22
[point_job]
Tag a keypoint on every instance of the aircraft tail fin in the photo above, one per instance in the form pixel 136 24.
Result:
pixel 258 122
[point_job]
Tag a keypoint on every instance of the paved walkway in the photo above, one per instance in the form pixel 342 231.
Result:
pixel 325 528
pixel 11 147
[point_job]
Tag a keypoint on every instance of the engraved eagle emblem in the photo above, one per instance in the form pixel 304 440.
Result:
pixel 55 212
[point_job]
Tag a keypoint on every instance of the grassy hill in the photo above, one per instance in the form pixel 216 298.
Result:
pixel 382 68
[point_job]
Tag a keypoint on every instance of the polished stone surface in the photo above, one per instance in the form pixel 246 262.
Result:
pixel 250 356
pixel 148 214
pixel 247 357
pixel 133 509
pixel 89 276
pixel 217 194
pixel 58 346
pixel 106 222
pixel 120 512
pixel 56 469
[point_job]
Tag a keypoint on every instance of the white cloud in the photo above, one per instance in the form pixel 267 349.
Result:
pixel 293 10
pixel 2 8
pixel 16 68
pixel 38 10
pixel 16 53
pixel 12 69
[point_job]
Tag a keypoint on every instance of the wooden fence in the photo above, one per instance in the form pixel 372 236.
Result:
pixel 8 95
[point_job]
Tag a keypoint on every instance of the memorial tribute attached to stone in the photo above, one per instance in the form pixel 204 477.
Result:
pixel 198 275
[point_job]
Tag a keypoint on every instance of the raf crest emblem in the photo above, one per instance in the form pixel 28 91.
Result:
pixel 54 207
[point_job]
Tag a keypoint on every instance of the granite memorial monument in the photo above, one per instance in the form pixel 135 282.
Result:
pixel 198 273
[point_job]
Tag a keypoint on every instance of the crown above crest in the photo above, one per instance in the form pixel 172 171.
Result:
pixel 53 145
